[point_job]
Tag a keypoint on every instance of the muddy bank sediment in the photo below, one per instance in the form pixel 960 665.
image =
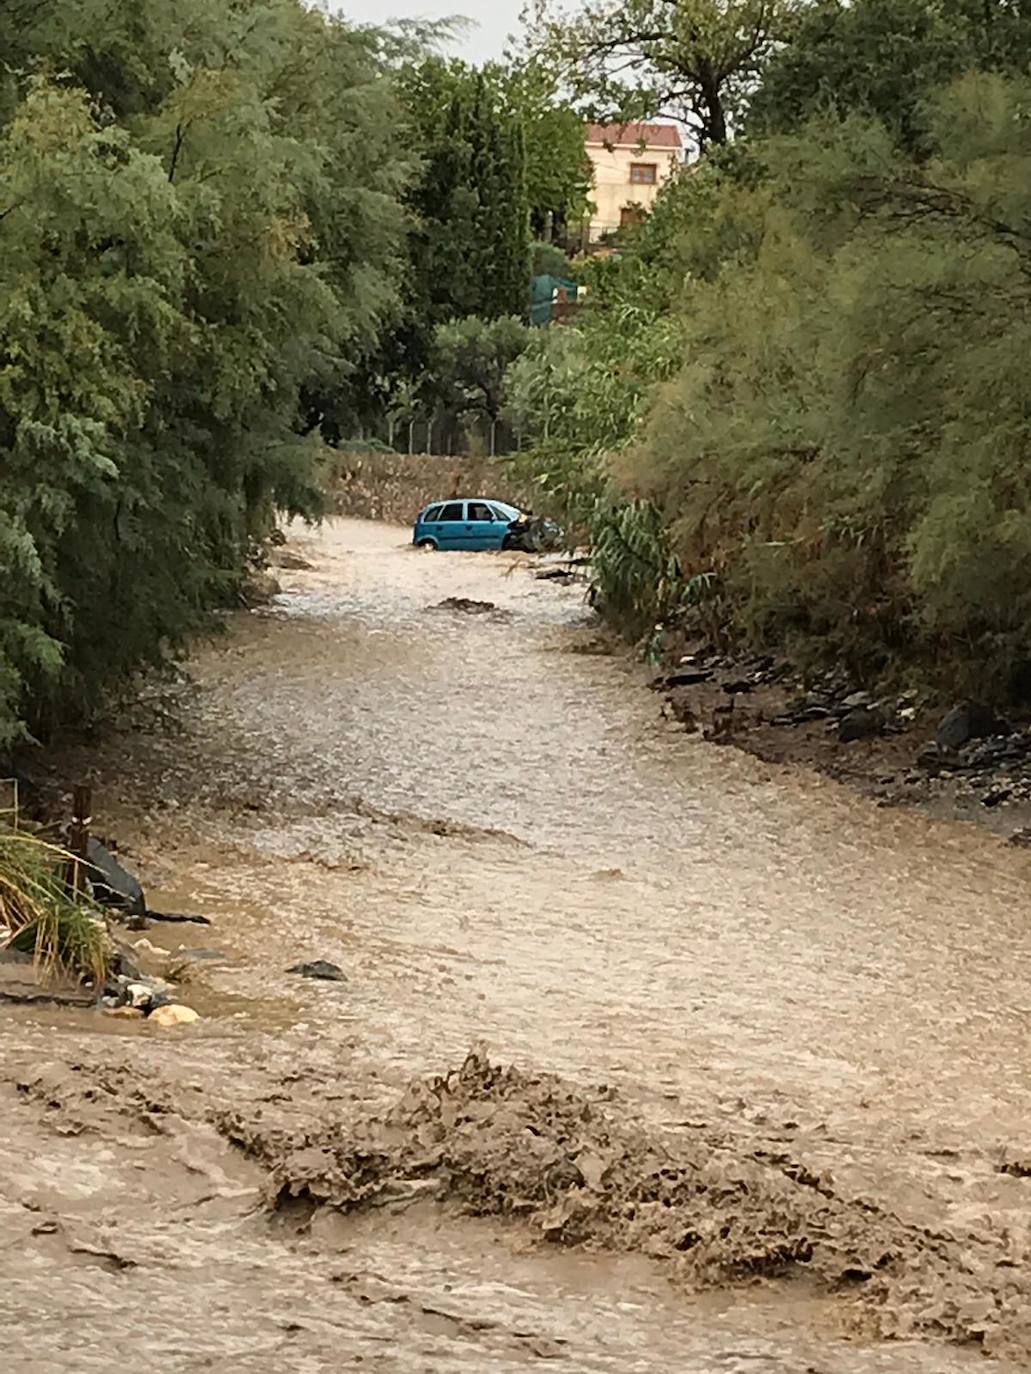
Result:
pixel 578 1170
pixel 573 1169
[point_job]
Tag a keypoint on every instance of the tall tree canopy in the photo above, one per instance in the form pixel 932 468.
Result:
pixel 468 237
pixel 201 216
pixel 826 448
pixel 558 170
pixel 695 60
pixel 882 57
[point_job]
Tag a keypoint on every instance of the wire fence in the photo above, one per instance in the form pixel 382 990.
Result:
pixel 479 437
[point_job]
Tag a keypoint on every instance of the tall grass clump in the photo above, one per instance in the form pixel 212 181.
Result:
pixel 65 935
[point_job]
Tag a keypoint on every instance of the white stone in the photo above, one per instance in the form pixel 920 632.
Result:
pixel 144 946
pixel 173 1015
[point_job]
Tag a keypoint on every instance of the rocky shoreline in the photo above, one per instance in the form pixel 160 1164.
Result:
pixel 958 761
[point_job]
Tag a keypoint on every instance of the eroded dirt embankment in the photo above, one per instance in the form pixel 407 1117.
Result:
pixel 883 744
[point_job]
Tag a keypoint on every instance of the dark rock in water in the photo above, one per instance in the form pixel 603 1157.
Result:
pixel 465 605
pixel 320 968
pixel 862 723
pixel 125 964
pixel 178 918
pixel 112 884
pixel 967 722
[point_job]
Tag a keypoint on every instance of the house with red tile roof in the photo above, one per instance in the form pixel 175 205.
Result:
pixel 631 162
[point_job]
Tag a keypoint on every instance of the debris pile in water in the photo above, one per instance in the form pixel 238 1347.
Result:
pixel 467 606
pixel 496 1141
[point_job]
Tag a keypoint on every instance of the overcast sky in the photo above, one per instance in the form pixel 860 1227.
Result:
pixel 495 19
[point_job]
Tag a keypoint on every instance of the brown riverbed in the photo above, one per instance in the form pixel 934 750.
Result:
pixel 766 1043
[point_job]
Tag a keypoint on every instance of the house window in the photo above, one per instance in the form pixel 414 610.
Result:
pixel 643 173
pixel 630 215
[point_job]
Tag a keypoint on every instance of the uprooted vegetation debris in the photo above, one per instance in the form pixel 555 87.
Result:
pixel 500 1142
pixel 54 930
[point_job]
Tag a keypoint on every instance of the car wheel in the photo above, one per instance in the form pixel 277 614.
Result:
pixel 426 544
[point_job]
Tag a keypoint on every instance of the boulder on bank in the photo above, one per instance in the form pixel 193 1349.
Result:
pixel 968 722
pixel 862 722
pixel 137 990
pixel 289 561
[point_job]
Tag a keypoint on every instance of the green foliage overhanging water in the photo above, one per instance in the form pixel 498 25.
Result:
pixel 797 412
pixel 200 217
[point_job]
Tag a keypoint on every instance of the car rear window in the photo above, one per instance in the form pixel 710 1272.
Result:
pixel 452 512
pixel 432 513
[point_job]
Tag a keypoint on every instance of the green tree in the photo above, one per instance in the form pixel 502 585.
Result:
pixel 467 245
pixel 558 171
pixel 842 448
pixel 470 361
pixel 200 219
pixel 696 60
pixel 883 57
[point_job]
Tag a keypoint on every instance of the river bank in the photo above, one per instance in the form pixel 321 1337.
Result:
pixel 681 959
pixel 759 704
pixel 885 746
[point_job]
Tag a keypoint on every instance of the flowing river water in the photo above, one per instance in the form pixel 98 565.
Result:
pixel 486 823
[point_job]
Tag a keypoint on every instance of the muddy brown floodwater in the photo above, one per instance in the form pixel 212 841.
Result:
pixel 765 1100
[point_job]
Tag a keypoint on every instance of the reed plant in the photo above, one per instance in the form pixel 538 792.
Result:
pixel 63 930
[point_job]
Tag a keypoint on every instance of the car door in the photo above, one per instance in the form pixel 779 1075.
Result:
pixel 451 526
pixel 427 527
pixel 482 528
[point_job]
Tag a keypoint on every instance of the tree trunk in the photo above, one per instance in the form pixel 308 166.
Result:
pixel 712 114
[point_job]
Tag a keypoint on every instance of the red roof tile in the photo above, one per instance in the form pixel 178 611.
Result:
pixel 633 135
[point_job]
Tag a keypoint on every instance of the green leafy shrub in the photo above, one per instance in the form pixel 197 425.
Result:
pixel 200 219
pixel 64 935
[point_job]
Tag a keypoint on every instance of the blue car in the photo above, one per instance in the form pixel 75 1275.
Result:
pixel 470 524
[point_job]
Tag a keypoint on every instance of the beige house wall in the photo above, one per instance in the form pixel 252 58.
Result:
pixel 613 189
